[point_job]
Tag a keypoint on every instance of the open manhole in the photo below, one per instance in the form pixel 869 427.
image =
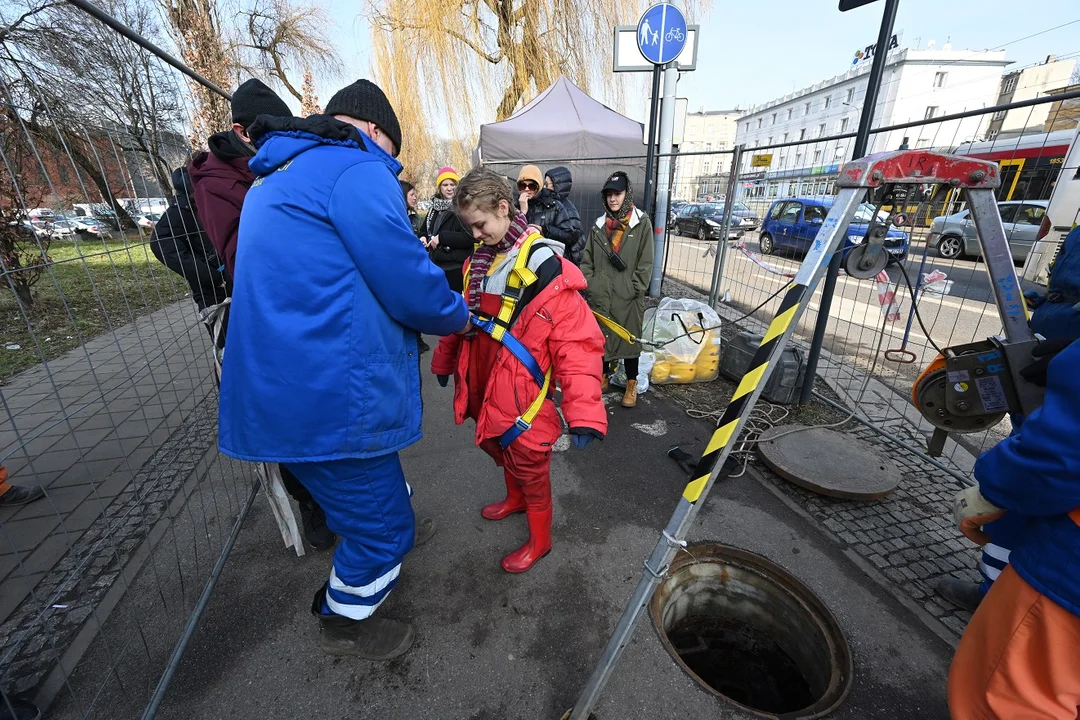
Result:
pixel 749 632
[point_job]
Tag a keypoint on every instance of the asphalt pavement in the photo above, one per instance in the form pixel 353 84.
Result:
pixel 493 645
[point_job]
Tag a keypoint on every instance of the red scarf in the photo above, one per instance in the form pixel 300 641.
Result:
pixel 616 229
pixel 484 255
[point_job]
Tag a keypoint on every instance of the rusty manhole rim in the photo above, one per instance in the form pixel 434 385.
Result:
pixel 842 665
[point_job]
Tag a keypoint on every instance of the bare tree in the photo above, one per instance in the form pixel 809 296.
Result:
pixel 283 42
pixel 24 248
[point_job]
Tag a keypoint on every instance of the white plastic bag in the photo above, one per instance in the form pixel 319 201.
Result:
pixel 645 365
pixel 935 283
pixel 686 341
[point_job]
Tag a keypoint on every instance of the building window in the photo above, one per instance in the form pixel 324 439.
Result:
pixel 807 108
pixel 923 143
pixel 773 119
pixel 1000 114
pixel 785 137
pixel 802 134
pixel 1010 83
pixel 708 146
pixel 844 125
pixel 705 167
pixel 709 129
pixel 798 159
pixel 828 101
pixel 817 157
pixel 747 127
pixel 850 94
pixel 790 112
pixel 770 140
pixel 821 130
pixel 940 79
pixel 931 112
pixel 759 123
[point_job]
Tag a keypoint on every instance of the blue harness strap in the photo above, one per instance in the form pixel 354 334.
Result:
pixel 515 347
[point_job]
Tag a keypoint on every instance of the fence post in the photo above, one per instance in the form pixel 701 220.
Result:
pixel 862 140
pixel 725 230
pixel 650 159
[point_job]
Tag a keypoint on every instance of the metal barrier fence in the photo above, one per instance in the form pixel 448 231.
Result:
pixel 868 317
pixel 107 379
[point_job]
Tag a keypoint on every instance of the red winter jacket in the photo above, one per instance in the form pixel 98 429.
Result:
pixel 221 178
pixel 560 331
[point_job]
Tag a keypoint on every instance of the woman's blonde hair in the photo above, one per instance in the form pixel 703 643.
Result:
pixel 483 188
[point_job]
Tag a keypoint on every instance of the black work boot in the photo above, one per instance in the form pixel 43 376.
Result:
pixel 424 530
pixel 317 533
pixel 21 495
pixel 13 708
pixel 372 639
pixel 961 593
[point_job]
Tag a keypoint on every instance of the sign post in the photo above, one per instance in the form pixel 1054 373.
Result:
pixel 862 140
pixel 662 33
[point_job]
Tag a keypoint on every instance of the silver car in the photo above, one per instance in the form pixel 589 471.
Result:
pixel 954 235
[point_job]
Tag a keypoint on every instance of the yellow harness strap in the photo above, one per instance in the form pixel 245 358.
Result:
pixel 616 328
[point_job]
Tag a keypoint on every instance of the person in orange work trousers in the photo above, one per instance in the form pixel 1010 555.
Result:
pixel 550 336
pixel 1020 655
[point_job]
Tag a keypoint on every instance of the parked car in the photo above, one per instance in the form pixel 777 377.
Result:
pixel 147 220
pixel 953 236
pixel 704 220
pixel 794 223
pixel 59 227
pixel 88 225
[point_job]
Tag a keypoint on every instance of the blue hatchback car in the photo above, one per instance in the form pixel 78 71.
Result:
pixel 793 223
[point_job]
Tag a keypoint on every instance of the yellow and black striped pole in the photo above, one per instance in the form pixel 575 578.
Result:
pixel 828 240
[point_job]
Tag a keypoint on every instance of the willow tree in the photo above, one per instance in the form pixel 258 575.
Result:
pixel 450 64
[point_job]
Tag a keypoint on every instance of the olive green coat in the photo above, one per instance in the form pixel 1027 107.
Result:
pixel 620 295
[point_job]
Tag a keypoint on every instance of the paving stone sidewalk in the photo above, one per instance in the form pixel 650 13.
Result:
pixel 110 430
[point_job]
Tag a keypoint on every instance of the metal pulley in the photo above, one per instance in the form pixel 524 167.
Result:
pixel 930 395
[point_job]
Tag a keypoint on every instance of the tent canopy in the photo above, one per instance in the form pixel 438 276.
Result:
pixel 564 123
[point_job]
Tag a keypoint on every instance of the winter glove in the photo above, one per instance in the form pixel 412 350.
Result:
pixel 443 380
pixel 971 511
pixel 581 437
pixel 1043 353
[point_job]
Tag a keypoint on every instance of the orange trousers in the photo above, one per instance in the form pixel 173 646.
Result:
pixel 4 484
pixel 1019 658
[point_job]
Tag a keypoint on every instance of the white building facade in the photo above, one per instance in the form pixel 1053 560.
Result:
pixel 701 176
pixel 917 85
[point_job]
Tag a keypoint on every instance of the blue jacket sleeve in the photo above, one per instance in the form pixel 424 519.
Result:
pixel 1034 472
pixel 368 211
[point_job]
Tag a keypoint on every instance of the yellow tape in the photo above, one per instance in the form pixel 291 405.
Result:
pixel 720 438
pixel 749 381
pixel 694 489
pixel 779 324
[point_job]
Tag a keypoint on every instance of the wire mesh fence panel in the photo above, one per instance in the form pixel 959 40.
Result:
pixel 116 508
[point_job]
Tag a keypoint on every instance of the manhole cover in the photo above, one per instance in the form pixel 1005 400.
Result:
pixel 828 462
pixel 749 632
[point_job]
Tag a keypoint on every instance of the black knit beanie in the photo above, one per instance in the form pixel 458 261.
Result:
pixel 254 98
pixel 364 100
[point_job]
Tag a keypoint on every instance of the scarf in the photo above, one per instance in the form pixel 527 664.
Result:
pixel 485 255
pixel 615 227
pixel 439 204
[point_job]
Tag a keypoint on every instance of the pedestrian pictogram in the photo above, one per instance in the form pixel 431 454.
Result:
pixel 662 33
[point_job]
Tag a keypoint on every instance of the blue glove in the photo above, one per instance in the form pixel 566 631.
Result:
pixel 581 437
pixel 443 380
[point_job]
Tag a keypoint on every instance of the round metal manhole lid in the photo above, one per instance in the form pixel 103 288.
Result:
pixel 828 462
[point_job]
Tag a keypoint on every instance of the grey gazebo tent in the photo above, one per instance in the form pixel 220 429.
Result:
pixel 564 126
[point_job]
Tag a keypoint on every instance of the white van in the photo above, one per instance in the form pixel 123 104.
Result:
pixel 1062 215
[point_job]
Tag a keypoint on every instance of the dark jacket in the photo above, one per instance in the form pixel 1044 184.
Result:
pixel 455 243
pixel 221 178
pixel 549 213
pixel 181 245
pixel 1058 314
pixel 326 365
pixel 564 183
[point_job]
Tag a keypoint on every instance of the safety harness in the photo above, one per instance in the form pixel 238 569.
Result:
pixel 498 328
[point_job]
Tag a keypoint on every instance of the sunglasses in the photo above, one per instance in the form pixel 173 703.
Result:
pixel 528 186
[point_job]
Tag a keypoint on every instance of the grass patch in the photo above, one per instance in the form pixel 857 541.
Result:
pixel 91 287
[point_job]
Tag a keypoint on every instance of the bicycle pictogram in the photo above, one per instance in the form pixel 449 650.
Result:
pixel 674 35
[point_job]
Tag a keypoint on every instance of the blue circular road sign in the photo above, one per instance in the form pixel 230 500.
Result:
pixel 661 33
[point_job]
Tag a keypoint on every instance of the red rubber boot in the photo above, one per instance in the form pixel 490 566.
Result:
pixel 514 502
pixel 538 544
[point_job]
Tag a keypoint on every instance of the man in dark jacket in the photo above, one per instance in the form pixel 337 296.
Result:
pixel 560 181
pixel 544 209
pixel 222 179
pixel 179 242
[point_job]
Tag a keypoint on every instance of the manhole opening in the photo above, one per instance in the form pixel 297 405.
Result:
pixel 748 631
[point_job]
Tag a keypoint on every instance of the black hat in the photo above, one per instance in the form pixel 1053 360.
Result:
pixel 618 182
pixel 364 100
pixel 254 98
